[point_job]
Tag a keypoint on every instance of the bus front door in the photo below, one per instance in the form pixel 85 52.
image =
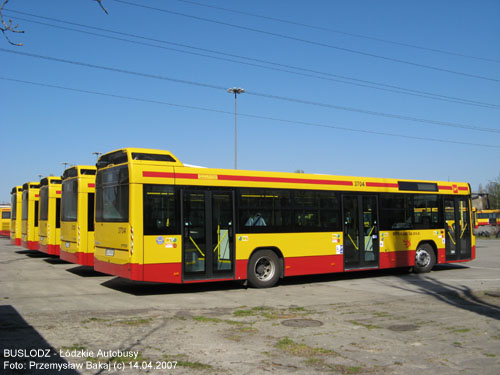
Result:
pixel 361 242
pixel 208 236
pixel 458 228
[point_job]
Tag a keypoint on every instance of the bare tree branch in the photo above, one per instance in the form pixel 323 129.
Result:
pixel 6 27
pixel 102 7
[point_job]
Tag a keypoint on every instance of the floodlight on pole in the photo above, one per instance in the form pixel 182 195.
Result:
pixel 97 154
pixel 65 165
pixel 236 91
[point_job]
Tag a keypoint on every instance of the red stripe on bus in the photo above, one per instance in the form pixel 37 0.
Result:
pixel 37 195
pixel 311 265
pixel 190 176
pixel 58 191
pixel 445 187
pixel 463 188
pixel 158 174
pixel 283 180
pixel 91 185
pixel 382 184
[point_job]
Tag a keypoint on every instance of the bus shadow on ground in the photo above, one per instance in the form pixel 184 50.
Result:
pixel 54 259
pixel 24 350
pixel 86 271
pixel 460 296
pixel 33 253
pixel 139 288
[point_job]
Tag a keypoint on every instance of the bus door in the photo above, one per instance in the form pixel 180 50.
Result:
pixel 361 242
pixel 458 228
pixel 208 235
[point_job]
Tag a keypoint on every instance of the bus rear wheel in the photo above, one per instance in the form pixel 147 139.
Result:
pixel 425 259
pixel 263 269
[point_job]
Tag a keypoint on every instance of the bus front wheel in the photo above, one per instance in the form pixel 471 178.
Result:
pixel 263 269
pixel 425 259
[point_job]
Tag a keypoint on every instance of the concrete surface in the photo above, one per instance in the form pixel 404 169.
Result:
pixel 57 315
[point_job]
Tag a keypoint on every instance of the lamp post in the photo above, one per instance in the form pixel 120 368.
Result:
pixel 97 154
pixel 65 165
pixel 236 91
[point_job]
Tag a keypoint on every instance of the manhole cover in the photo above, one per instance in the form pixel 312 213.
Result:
pixel 493 294
pixel 302 323
pixel 403 327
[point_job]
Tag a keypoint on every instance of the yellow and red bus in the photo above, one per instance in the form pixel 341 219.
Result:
pixel 16 195
pixel 29 226
pixel 160 221
pixel 77 215
pixel 49 229
pixel 488 217
pixel 5 217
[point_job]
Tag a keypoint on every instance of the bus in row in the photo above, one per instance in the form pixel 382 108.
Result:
pixel 58 210
pixel 488 217
pixel 5 215
pixel 49 232
pixel 30 216
pixel 77 215
pixel 16 195
pixel 158 220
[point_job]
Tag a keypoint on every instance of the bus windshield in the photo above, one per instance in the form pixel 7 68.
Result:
pixel 70 200
pixel 112 192
pixel 14 206
pixel 44 203
pixel 25 205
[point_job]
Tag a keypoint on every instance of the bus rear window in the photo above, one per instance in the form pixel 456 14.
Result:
pixel 112 191
pixel 69 200
pixel 44 204
pixel 6 215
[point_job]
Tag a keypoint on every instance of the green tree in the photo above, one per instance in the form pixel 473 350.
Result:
pixel 493 190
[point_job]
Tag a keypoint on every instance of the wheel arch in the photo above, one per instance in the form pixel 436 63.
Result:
pixel 278 253
pixel 432 244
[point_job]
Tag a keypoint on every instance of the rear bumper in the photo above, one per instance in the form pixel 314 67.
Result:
pixel 84 259
pixel 50 249
pixel 30 245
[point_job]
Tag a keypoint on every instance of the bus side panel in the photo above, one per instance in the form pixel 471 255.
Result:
pixel 397 248
pixel 323 251
pixel 162 258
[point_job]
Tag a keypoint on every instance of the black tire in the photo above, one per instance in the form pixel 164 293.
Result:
pixel 263 269
pixel 425 259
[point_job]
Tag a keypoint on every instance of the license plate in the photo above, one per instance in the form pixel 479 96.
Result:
pixel 110 252
pixel 67 245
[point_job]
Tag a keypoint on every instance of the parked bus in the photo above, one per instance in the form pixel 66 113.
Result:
pixel 49 230
pixel 29 227
pixel 158 220
pixel 5 215
pixel 488 217
pixel 16 195
pixel 77 215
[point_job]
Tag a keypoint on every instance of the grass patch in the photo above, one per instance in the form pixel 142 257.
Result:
pixel 244 313
pixel 301 350
pixel 208 319
pixel 459 330
pixel 135 321
pixel 94 320
pixel 182 360
pixel 368 326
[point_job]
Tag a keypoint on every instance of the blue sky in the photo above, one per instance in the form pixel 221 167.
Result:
pixel 351 41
